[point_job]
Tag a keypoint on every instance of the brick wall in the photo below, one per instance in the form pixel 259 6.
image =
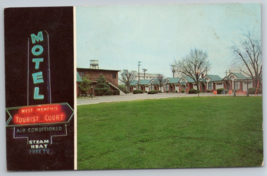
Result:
pixel 111 76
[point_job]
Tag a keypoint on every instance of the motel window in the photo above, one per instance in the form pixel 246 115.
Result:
pixel 210 85
pixel 236 85
pixel 82 74
pixel 114 75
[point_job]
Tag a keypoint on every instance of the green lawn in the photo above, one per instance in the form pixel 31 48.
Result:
pixel 171 133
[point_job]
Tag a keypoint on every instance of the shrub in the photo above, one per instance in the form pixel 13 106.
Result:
pixel 183 91
pixel 137 91
pixel 101 86
pixel 160 91
pixel 85 84
pixel 116 92
pixel 153 92
pixel 175 91
pixel 253 90
pixel 145 91
pixel 220 91
pixel 192 91
pixel 167 91
pixel 109 92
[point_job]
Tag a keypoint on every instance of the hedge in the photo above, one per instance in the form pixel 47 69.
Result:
pixel 182 91
pixel 109 92
pixel 116 92
pixel 253 90
pixel 137 91
pixel 220 91
pixel 193 91
pixel 153 92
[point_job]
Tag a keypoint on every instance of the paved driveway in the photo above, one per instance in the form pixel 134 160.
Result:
pixel 130 97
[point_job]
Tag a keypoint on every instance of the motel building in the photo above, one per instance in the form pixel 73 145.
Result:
pixel 207 83
pixel 171 84
pixel 213 82
pixel 94 72
pixel 238 82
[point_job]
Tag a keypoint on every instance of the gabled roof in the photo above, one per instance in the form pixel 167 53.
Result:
pixel 173 80
pixel 156 81
pixel 202 80
pixel 214 77
pixel 238 75
pixel 241 76
pixel 164 80
pixel 144 81
pixel 189 79
pixel 134 82
pixel 78 77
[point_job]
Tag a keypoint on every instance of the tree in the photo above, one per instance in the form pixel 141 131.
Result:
pixel 194 65
pixel 160 79
pixel 101 86
pixel 127 78
pixel 248 55
pixel 85 84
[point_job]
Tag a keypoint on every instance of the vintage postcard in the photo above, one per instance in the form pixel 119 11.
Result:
pixel 133 87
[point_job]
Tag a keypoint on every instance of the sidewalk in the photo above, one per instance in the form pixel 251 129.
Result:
pixel 131 97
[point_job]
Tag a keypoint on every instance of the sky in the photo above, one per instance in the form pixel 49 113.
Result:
pixel 120 36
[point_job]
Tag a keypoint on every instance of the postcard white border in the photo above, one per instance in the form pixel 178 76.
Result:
pixel 155 172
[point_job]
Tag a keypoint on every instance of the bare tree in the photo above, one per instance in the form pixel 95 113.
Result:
pixel 160 79
pixel 194 65
pixel 127 78
pixel 248 55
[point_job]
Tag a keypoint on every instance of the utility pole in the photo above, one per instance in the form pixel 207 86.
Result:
pixel 144 70
pixel 173 70
pixel 139 63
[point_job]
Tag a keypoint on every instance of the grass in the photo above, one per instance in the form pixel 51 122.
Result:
pixel 171 133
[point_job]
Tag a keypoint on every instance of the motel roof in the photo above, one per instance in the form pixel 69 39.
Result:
pixel 238 75
pixel 214 77
pixel 241 76
pixel 78 77
pixel 144 81
pixel 134 82
pixel 173 80
pixel 98 69
pixel 189 79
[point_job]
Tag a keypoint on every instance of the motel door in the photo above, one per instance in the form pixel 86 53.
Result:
pixel 203 87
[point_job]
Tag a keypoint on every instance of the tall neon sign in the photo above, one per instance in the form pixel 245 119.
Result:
pixel 40 119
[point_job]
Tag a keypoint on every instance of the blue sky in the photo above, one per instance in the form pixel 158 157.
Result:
pixel 120 36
